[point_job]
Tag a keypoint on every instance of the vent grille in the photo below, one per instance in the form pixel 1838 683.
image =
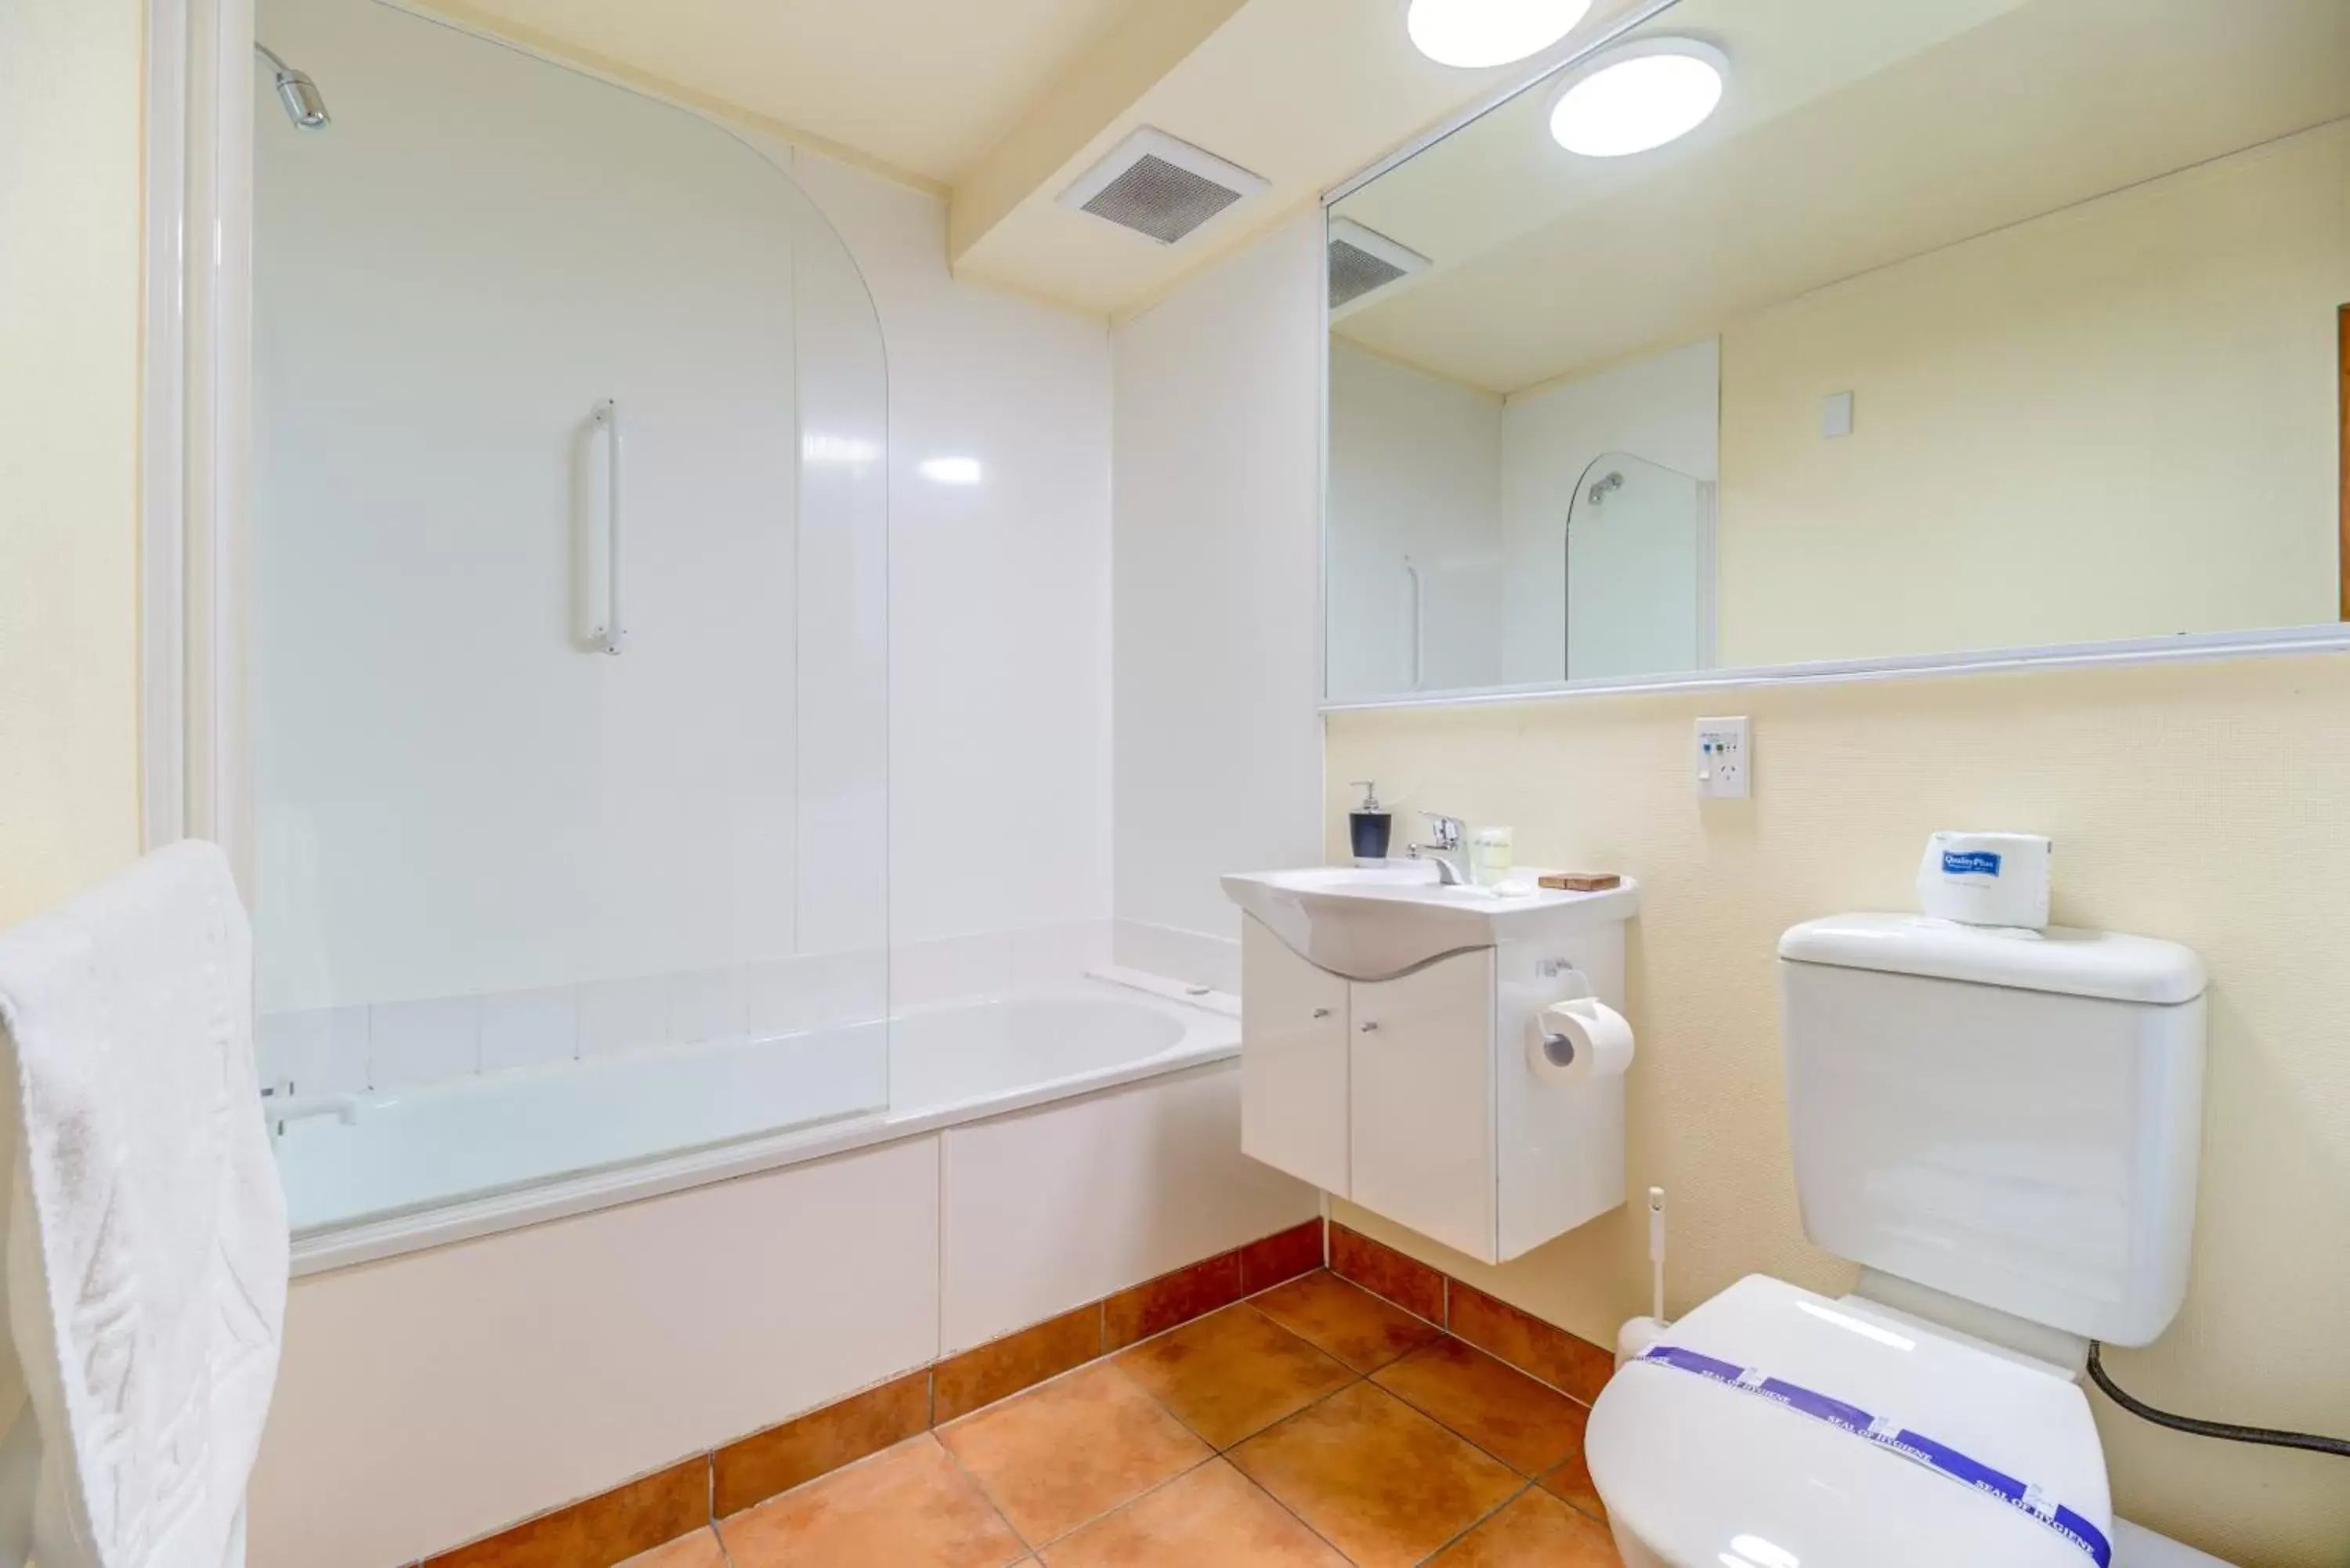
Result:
pixel 1355 272
pixel 1363 261
pixel 1151 183
pixel 1156 198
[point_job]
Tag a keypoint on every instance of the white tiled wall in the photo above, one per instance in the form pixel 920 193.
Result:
pixel 999 591
pixel 1217 572
pixel 412 1045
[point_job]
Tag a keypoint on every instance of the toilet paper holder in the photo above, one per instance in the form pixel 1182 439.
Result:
pixel 1605 1048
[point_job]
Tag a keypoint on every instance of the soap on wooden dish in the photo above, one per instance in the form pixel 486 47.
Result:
pixel 1581 881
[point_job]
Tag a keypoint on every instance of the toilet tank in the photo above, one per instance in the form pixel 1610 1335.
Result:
pixel 2013 1118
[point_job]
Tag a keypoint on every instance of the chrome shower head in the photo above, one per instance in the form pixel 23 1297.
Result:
pixel 306 105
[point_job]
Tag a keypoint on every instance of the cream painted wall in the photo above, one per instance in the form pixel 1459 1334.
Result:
pixel 2118 420
pixel 2197 803
pixel 70 88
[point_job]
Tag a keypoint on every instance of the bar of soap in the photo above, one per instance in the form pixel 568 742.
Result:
pixel 1581 881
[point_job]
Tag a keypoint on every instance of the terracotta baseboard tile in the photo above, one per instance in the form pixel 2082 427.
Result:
pixel 1573 1365
pixel 688 1496
pixel 1170 1301
pixel 1284 1256
pixel 606 1529
pixel 760 1466
pixel 986 1373
pixel 1384 1272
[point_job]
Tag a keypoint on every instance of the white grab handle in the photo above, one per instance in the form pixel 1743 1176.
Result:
pixel 1419 623
pixel 283 1108
pixel 612 634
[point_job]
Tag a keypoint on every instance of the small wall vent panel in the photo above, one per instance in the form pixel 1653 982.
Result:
pixel 1160 187
pixel 1363 261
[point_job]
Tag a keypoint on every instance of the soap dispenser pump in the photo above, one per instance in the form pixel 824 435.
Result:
pixel 1369 825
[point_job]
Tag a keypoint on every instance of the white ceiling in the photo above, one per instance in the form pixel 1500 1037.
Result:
pixel 923 86
pixel 1002 104
pixel 1304 92
pixel 1856 133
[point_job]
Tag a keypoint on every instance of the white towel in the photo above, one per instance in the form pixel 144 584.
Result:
pixel 147 1245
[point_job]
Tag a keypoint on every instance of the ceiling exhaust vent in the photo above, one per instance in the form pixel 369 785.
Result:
pixel 1363 261
pixel 1156 185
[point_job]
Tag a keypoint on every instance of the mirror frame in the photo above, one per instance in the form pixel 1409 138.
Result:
pixel 2332 637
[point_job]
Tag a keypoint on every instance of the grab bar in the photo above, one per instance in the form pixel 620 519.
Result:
pixel 280 1104
pixel 1419 622
pixel 610 635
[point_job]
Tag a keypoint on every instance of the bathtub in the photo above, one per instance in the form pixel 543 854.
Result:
pixel 422 1168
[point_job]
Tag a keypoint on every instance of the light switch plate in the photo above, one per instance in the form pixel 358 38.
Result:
pixel 1835 416
pixel 1724 757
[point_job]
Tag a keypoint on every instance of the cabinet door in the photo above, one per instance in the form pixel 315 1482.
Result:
pixel 1292 1061
pixel 1422 1095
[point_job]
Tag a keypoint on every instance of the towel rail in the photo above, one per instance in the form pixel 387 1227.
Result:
pixel 612 634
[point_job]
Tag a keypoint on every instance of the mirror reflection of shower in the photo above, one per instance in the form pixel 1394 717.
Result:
pixel 1638 569
pixel 306 105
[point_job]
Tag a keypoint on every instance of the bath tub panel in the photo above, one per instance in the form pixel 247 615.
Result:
pixel 1047 1209
pixel 437 1396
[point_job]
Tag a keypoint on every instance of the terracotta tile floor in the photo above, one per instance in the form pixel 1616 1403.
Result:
pixel 1311 1426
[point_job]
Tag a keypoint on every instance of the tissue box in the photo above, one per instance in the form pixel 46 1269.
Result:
pixel 1986 878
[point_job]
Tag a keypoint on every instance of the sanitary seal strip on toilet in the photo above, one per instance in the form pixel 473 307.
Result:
pixel 1891 1436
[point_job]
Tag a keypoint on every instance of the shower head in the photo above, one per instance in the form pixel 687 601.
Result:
pixel 306 105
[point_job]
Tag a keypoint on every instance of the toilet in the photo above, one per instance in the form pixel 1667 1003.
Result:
pixel 2002 1128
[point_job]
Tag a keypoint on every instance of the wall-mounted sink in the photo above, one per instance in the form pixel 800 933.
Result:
pixel 1372 923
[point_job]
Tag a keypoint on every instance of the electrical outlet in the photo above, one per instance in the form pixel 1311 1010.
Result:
pixel 1723 759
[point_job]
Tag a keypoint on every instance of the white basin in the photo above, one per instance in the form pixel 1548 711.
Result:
pixel 1373 923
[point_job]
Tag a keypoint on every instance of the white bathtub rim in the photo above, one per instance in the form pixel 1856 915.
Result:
pixel 1210 1037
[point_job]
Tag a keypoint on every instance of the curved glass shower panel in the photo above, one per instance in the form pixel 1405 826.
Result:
pixel 1637 570
pixel 568 627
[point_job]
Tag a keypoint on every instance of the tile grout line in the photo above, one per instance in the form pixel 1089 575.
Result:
pixel 1106 1358
pixel 1475 1525
pixel 709 1456
pixel 1526 1483
pixel 1110 1359
pixel 1447 1284
pixel 976 1485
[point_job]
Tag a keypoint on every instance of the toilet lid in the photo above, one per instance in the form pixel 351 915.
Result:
pixel 1709 1474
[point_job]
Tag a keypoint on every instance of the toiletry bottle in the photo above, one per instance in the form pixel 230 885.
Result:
pixel 1490 857
pixel 1369 826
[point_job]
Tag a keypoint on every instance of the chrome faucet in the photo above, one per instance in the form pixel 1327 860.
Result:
pixel 1446 853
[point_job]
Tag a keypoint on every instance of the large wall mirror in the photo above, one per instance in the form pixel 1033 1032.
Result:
pixel 1950 327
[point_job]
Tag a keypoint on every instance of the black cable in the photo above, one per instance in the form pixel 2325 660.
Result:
pixel 2338 1447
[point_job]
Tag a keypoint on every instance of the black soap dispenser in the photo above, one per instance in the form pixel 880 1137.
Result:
pixel 1369 826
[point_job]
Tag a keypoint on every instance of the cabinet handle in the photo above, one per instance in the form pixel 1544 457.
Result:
pixel 1321 1012
pixel 1372 1027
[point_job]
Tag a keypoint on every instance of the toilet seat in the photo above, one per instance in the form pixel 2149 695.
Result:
pixel 1706 1475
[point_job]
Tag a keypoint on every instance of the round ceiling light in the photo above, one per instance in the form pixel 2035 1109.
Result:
pixel 1638 97
pixel 1474 33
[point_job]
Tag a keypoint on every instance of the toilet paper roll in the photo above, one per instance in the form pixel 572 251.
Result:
pixel 1575 1042
pixel 1986 878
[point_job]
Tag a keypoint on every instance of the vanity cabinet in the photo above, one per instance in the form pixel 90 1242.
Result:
pixel 1294 1067
pixel 1408 1087
pixel 1420 1098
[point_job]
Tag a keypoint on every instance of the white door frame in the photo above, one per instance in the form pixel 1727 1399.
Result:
pixel 196 441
